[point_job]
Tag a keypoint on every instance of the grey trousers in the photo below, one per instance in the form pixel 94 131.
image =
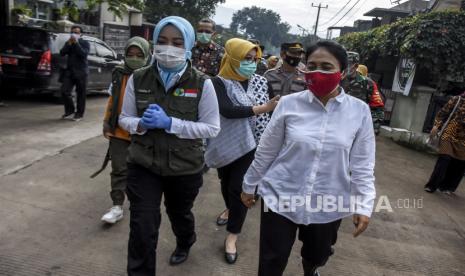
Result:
pixel 119 170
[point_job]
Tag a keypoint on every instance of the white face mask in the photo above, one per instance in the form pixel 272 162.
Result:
pixel 76 36
pixel 169 56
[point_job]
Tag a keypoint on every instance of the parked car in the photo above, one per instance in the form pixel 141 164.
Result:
pixel 31 59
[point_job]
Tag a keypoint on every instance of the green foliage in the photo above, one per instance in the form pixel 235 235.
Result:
pixel 225 34
pixel 193 11
pixel 262 24
pixel 117 7
pixel 434 41
pixel 21 9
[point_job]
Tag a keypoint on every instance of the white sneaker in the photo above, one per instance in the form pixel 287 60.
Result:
pixel 115 214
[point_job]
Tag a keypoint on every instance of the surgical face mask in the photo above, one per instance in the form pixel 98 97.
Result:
pixel 75 36
pixel 169 56
pixel 134 62
pixel 204 37
pixel 247 68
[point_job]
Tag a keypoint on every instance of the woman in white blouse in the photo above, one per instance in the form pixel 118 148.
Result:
pixel 314 166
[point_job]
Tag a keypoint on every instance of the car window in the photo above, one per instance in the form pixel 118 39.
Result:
pixel 104 51
pixel 21 41
pixel 58 41
pixel 92 50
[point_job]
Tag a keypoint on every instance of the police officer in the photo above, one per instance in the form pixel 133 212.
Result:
pixel 287 79
pixel 168 108
pixel 364 89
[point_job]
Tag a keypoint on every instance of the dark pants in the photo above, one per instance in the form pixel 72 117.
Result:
pixel 277 236
pixel 144 191
pixel 447 173
pixel 232 176
pixel 69 82
pixel 119 171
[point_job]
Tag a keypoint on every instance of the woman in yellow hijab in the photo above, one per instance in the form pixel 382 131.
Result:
pixel 244 106
pixel 363 70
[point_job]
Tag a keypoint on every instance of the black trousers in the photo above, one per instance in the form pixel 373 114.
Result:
pixel 447 173
pixel 231 177
pixel 144 191
pixel 277 236
pixel 69 81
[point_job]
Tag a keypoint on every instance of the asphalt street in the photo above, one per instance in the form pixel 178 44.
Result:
pixel 50 210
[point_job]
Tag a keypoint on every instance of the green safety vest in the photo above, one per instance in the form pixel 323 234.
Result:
pixel 163 153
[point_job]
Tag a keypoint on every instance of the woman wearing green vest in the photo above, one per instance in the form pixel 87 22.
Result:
pixel 168 109
pixel 137 53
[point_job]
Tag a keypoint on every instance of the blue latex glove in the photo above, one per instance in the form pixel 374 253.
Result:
pixel 155 117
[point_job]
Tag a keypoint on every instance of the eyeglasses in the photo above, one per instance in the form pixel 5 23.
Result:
pixel 251 59
pixel 205 31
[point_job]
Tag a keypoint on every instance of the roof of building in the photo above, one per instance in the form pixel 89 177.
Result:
pixel 380 12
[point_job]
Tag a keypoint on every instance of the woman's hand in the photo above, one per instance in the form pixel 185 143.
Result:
pixel 434 131
pixel 248 199
pixel 360 223
pixel 268 107
pixel 106 129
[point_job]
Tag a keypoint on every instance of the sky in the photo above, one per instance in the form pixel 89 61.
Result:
pixel 300 11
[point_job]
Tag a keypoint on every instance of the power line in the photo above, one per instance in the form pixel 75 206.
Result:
pixel 359 8
pixel 346 13
pixel 327 22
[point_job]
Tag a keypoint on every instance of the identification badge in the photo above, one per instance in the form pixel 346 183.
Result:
pixel 188 93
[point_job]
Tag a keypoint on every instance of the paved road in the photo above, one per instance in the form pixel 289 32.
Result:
pixel 50 212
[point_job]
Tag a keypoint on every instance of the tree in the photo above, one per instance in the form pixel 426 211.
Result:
pixel 192 10
pixel 117 7
pixel 262 24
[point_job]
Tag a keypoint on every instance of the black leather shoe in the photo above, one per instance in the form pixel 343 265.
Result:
pixel 179 256
pixel 230 258
pixel 221 221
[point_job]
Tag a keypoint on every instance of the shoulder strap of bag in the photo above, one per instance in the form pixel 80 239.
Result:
pixel 450 116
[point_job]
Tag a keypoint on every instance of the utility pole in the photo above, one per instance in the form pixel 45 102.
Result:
pixel 318 16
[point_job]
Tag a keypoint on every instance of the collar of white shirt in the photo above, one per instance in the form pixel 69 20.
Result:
pixel 340 98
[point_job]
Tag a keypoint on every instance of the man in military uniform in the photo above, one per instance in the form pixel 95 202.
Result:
pixel 364 89
pixel 287 79
pixel 206 54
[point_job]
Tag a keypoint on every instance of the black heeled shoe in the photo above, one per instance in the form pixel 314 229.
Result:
pixel 230 258
pixel 221 221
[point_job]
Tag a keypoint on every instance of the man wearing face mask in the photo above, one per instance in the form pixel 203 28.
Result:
pixel 206 54
pixel 364 89
pixel 168 108
pixel 75 74
pixel 287 79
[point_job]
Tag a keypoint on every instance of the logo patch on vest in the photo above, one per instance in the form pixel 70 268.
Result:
pixel 189 93
pixel 144 91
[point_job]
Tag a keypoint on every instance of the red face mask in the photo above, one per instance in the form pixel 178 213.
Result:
pixel 321 83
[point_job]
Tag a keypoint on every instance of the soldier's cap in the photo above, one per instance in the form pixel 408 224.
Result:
pixel 294 47
pixel 353 57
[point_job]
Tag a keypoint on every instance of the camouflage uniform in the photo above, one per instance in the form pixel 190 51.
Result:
pixel 207 59
pixel 261 67
pixel 366 90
